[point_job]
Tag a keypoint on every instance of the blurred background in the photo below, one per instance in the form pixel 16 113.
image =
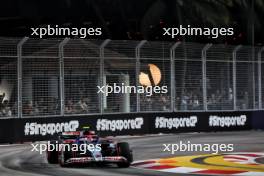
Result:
pixel 138 19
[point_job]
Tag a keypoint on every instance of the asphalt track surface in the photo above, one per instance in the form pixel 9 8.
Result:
pixel 20 160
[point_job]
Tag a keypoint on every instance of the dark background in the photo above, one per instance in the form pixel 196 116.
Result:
pixel 137 19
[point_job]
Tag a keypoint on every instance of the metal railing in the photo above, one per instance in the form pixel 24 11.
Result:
pixel 51 77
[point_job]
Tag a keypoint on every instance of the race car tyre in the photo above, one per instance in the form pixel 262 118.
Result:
pixel 62 159
pixel 124 150
pixel 52 156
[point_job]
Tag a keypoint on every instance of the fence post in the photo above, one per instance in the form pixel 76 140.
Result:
pixel 234 55
pixel 204 55
pixel 19 76
pixel 101 75
pixel 259 78
pixel 141 43
pixel 61 65
pixel 172 71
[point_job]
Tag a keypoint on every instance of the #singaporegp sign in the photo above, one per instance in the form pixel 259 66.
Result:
pixel 154 75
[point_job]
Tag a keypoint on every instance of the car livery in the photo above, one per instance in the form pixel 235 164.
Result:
pixel 86 147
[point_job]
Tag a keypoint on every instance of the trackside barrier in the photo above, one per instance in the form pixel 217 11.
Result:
pixel 35 129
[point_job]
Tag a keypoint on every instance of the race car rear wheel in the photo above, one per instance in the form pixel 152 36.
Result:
pixel 124 150
pixel 52 157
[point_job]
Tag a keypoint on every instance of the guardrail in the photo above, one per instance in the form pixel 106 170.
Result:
pixel 36 129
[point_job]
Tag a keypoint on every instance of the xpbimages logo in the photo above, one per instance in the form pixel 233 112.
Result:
pixel 65 31
pixel 44 129
pixel 187 146
pixel 123 89
pixel 197 31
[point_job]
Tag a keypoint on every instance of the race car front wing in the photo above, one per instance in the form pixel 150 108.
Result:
pixel 110 159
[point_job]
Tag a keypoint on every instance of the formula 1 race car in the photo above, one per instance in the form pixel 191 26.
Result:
pixel 84 147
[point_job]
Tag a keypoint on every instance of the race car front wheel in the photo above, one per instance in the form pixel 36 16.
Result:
pixel 124 150
pixel 62 159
